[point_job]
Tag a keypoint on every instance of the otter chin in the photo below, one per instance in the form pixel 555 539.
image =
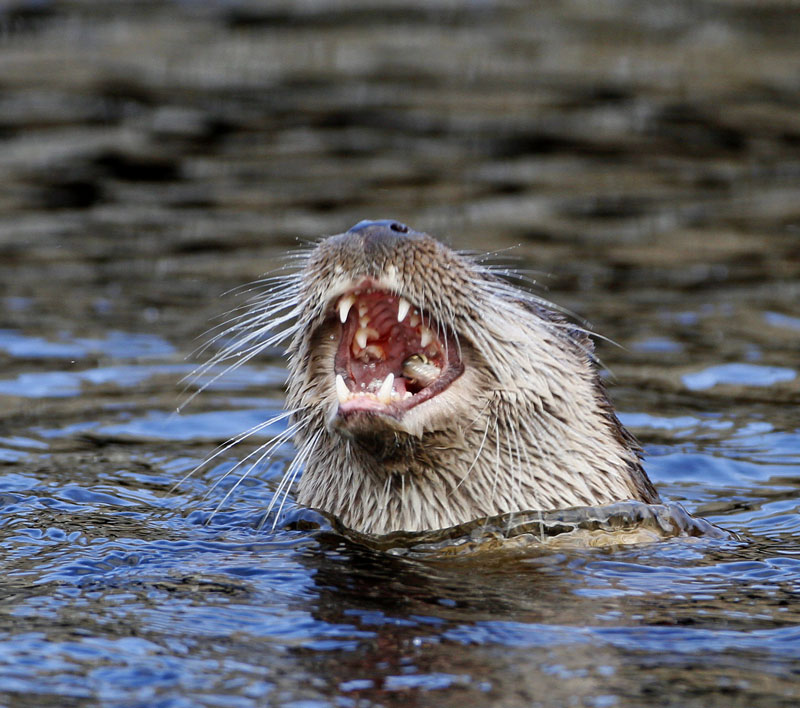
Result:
pixel 424 391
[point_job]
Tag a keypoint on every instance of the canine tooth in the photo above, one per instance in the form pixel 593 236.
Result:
pixel 403 306
pixel 342 392
pixel 425 337
pixel 344 307
pixel 385 391
pixel 361 338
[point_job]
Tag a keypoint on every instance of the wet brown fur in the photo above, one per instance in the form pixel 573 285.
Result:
pixel 528 425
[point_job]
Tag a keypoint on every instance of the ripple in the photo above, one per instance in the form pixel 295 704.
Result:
pixel 199 426
pixel 61 384
pixel 738 374
pixel 776 319
pixel 784 641
pixel 119 345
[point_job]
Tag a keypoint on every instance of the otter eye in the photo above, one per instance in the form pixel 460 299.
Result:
pixel 400 228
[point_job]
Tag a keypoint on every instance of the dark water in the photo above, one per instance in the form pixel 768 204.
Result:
pixel 641 159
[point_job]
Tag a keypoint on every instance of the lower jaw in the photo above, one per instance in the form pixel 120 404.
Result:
pixel 353 421
pixel 365 424
pixel 383 440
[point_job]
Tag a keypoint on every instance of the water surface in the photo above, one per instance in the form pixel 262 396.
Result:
pixel 641 162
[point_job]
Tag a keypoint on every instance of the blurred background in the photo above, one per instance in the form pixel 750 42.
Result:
pixel 642 159
pixel 639 160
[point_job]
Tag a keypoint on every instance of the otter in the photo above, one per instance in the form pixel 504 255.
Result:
pixel 425 391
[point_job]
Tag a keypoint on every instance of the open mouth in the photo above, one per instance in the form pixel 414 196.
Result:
pixel 391 355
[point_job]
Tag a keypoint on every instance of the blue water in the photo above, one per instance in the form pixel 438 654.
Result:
pixel 121 592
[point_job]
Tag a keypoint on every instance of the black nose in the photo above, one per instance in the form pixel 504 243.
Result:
pixel 371 245
pixel 378 239
pixel 379 225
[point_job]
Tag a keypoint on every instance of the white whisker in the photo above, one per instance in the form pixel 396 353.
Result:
pixel 266 448
pixel 289 478
pixel 264 451
pixel 220 449
pixel 515 418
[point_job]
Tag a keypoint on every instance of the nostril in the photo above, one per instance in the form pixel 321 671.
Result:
pixel 400 228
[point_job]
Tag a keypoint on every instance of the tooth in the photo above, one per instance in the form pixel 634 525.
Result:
pixel 385 391
pixel 403 306
pixel 361 338
pixel 344 307
pixel 425 337
pixel 342 392
pixel 375 351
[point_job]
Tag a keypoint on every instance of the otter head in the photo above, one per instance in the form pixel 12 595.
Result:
pixel 382 352
pixel 427 392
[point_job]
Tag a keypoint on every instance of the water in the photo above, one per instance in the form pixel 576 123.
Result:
pixel 640 161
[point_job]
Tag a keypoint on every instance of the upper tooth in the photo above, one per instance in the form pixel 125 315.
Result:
pixel 403 306
pixel 425 337
pixel 344 307
pixel 342 392
pixel 361 338
pixel 385 391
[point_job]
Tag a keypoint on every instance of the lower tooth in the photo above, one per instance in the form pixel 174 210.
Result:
pixel 342 392
pixel 385 391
